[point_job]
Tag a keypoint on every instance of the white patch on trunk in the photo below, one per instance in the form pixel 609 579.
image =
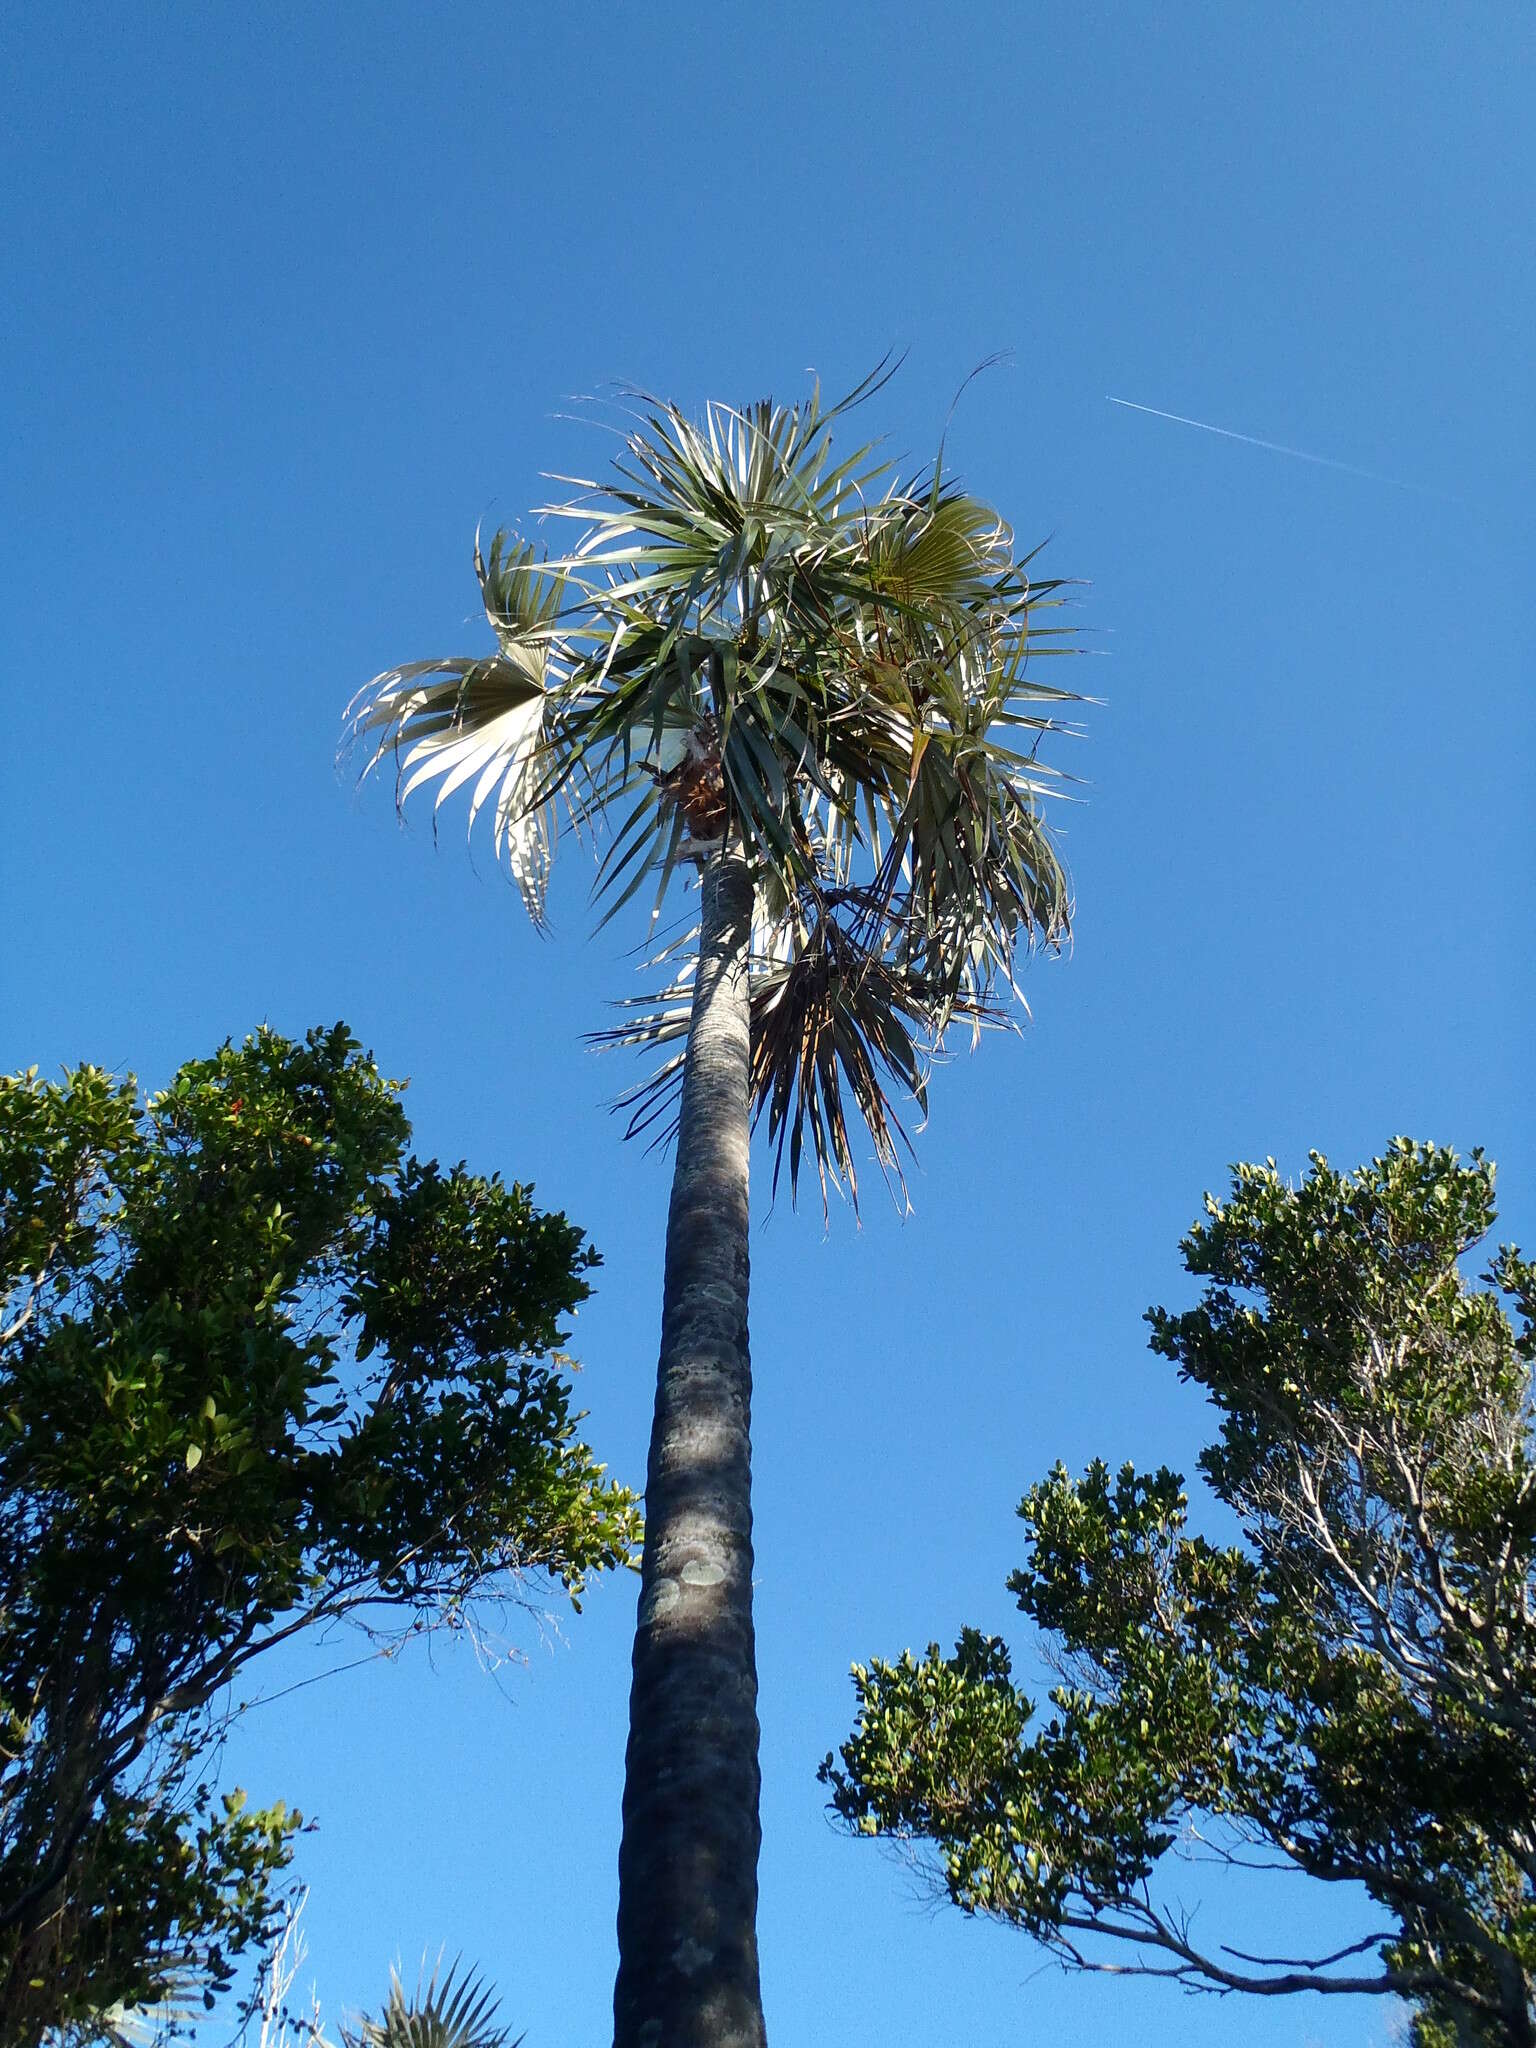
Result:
pixel 660 1600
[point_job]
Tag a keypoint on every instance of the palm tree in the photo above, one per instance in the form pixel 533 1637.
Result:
pixel 804 681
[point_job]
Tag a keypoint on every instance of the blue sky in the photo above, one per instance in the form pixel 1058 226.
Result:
pixel 294 297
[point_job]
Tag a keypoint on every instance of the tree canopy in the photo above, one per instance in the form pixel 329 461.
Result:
pixel 1347 1692
pixel 830 668
pixel 260 1369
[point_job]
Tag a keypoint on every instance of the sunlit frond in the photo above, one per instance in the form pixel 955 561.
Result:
pixel 450 2014
pixel 480 723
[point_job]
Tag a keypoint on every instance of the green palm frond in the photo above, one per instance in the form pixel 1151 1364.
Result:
pixel 481 721
pixel 459 2012
pixel 754 642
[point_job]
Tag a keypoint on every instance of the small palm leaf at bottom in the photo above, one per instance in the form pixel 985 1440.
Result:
pixel 143 2026
pixel 456 2013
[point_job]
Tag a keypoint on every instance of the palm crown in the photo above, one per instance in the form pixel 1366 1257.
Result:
pixel 814 663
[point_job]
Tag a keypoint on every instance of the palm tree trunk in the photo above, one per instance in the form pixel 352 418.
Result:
pixel 688 1863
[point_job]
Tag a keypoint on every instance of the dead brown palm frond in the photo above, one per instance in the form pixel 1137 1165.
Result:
pixel 842 1014
pixel 835 1015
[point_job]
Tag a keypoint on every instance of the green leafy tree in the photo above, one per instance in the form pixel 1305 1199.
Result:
pixel 259 1370
pixel 1349 1692
pixel 803 680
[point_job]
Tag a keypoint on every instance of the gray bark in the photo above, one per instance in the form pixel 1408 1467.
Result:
pixel 688 1975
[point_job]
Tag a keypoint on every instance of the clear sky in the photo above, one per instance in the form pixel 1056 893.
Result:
pixel 291 298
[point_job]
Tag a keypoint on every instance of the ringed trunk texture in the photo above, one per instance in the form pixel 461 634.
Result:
pixel 688 1973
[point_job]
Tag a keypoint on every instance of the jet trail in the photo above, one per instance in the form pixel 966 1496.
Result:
pixel 1279 448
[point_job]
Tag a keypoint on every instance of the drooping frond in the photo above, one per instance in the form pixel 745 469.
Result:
pixel 832 1018
pixel 481 722
pixel 839 1016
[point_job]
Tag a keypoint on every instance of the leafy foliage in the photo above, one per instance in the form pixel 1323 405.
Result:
pixel 259 1370
pixel 1351 1690
pixel 817 664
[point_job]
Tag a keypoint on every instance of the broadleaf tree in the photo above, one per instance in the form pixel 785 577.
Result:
pixel 1348 1692
pixel 260 1370
pixel 808 684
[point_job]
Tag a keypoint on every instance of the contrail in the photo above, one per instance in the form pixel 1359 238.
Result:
pixel 1279 448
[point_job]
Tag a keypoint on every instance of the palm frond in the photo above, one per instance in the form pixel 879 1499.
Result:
pixel 480 721
pixel 834 1018
pixel 146 2026
pixel 459 2012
